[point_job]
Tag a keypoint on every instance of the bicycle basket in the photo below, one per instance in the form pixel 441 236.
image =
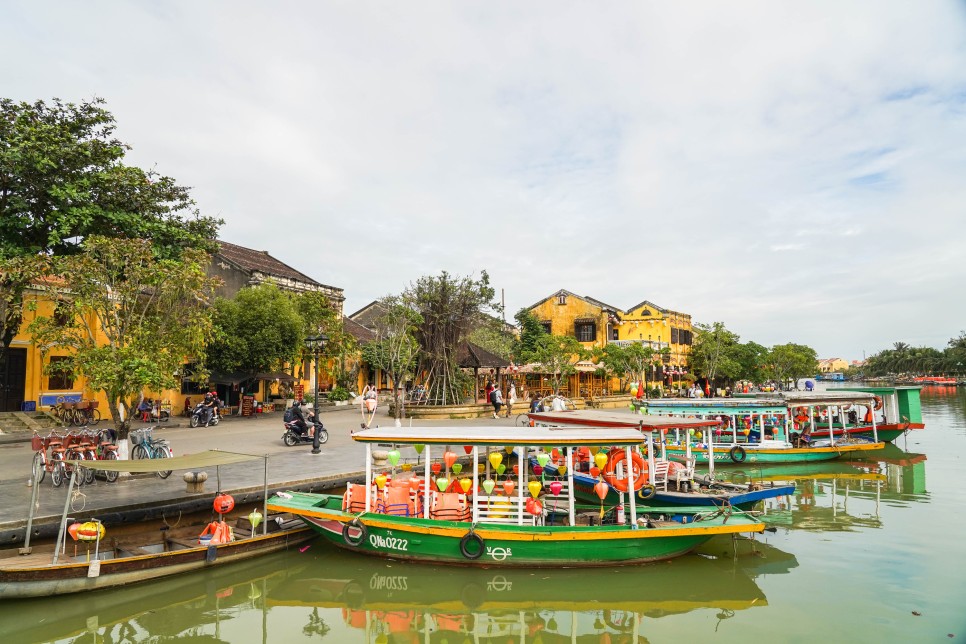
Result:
pixel 139 436
pixel 36 443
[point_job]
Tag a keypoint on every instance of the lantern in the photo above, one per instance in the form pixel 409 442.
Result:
pixel 537 470
pixel 449 458
pixel 467 448
pixel 442 483
pixel 534 487
pixel 601 490
pixel 496 459
pixel 595 471
pixel 393 456
pixel 72 530
pixel 600 459
pixel 224 503
pixel 466 484
pixel 381 481
pixel 488 486
pixel 508 486
pixel 419 448
pixel 500 469
pixel 436 468
pixel 90 531
pixel 543 459
pixel 561 469
pixel 255 518
pixel 508 449
pixel 555 487
pixel 457 467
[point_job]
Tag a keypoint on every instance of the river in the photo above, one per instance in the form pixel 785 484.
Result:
pixel 866 551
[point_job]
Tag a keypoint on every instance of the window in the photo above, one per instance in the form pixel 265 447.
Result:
pixel 546 327
pixel 63 316
pixel 60 376
pixel 561 299
pixel 675 336
pixel 614 335
pixel 585 331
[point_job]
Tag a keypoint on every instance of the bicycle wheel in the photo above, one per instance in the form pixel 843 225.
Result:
pixel 140 452
pixel 57 469
pixel 93 416
pixel 76 456
pixel 39 469
pixel 110 475
pixel 89 455
pixel 522 420
pixel 163 452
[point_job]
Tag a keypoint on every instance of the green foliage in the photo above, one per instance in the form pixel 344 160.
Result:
pixel 530 333
pixel 715 352
pixel 259 330
pixel 62 179
pixel 131 319
pixel 904 359
pixel 491 335
pixel 790 362
pixel 395 348
pixel 557 356
pixel 339 394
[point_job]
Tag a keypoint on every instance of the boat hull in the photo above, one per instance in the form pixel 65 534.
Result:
pixel 437 541
pixel 36 577
pixel 885 433
pixel 743 499
pixel 765 455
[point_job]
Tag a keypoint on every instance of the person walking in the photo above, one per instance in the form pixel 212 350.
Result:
pixel 511 399
pixel 496 397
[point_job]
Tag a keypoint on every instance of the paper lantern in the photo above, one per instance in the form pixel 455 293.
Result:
pixel 381 481
pixel 467 448
pixel 508 487
pixel 495 459
pixel 500 469
pixel 746 432
pixel 488 486
pixel 536 508
pixel 555 487
pixel 595 471
pixel 393 456
pixel 508 449
pixel 457 467
pixel 419 448
pixel 555 454
pixel 442 483
pixel 601 490
pixel 90 531
pixel 534 487
pixel 594 449
pixel 543 459
pixel 600 459
pixel 466 484
pixel 691 431
pixel 516 469
pixel 537 470
pixel 698 435
pixel 255 518
pixel 224 503
pixel 449 458
pixel 72 530
pixel 436 468
pixel 561 470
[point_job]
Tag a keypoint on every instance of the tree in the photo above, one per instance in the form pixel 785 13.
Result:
pixel 790 361
pixel 129 318
pixel 530 333
pixel 62 179
pixel 258 330
pixel 395 348
pixel 491 334
pixel 750 357
pixel 341 349
pixel 450 309
pixel 713 353
pixel 557 355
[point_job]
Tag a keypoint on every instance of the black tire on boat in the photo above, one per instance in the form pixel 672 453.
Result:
pixel 467 552
pixel 647 492
pixel 738 454
pixel 360 538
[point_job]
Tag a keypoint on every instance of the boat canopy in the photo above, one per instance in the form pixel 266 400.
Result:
pixel 188 461
pixel 825 398
pixel 559 436
pixel 589 417
pixel 719 406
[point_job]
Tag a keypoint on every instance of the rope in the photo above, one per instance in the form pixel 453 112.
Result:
pixel 73 500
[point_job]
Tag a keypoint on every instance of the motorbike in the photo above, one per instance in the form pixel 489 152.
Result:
pixel 294 435
pixel 198 412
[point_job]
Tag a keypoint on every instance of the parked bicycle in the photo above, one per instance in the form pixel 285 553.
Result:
pixel 101 448
pixel 146 446
pixel 86 413
pixel 48 455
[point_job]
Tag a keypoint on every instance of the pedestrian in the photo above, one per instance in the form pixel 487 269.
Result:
pixel 534 402
pixel 488 392
pixel 558 403
pixel 511 399
pixel 496 397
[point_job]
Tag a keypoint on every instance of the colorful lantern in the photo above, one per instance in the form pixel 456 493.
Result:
pixel 555 487
pixel 72 530
pixel 561 470
pixel 436 468
pixel 255 518
pixel 508 487
pixel 466 484
pixel 508 449
pixel 595 471
pixel 500 469
pixel 537 470
pixel 381 481
pixel 442 483
pixel 543 459
pixel 457 467
pixel 90 531
pixel 488 486
pixel 393 456
pixel 496 459
pixel 534 487
pixel 449 458
pixel 601 490
pixel 516 469
pixel 224 503
pixel 419 448
pixel 600 459
pixel 468 448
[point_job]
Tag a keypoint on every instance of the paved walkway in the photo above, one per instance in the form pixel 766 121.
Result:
pixel 134 498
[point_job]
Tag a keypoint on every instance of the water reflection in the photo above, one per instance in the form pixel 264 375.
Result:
pixel 327 594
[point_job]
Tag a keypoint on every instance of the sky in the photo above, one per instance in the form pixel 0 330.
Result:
pixel 796 170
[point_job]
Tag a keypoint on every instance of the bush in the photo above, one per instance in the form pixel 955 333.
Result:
pixel 339 393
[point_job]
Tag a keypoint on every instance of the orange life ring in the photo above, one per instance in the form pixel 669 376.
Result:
pixel 878 403
pixel 638 470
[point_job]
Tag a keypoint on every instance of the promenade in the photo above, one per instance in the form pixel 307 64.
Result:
pixel 136 498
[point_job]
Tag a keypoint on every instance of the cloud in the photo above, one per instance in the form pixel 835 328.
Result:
pixel 792 170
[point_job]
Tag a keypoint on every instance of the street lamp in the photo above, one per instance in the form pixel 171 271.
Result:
pixel 316 344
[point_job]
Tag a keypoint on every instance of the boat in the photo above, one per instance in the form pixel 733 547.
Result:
pixel 469 519
pixel 667 484
pixel 101 562
pixel 757 432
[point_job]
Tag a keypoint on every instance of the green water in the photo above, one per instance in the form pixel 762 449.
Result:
pixel 867 551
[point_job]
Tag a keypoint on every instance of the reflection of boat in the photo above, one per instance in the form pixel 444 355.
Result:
pixel 417 523
pixel 752 557
pixel 140 612
pixel 38 572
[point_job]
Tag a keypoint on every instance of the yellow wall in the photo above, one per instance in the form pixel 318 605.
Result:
pixel 650 323
pixel 563 316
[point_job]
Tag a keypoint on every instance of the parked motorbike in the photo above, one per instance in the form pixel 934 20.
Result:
pixel 198 413
pixel 295 435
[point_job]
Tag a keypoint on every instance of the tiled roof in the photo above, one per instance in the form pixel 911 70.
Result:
pixel 259 260
pixel 359 332
pixel 472 355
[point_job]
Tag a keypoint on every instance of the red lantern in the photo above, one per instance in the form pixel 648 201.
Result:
pixel 72 530
pixel 224 503
pixel 601 490
pixel 595 471
pixel 449 458
pixel 537 469
pixel 436 467
pixel 467 448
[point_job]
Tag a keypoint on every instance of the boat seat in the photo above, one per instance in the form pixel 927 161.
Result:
pixel 659 477
pixel 354 499
pixel 399 501
pixel 449 506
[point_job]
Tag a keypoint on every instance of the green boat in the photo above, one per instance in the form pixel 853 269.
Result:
pixel 478 518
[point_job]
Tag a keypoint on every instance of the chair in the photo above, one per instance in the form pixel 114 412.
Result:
pixel 449 506
pixel 354 499
pixel 659 476
pixel 398 501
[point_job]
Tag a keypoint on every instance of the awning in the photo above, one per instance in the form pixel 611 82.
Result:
pixel 282 377
pixel 587 366
pixel 235 378
pixel 188 461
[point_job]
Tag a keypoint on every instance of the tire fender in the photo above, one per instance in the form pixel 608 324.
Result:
pixel 737 454
pixel 467 538
pixel 360 538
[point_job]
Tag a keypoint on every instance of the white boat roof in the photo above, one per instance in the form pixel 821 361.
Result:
pixel 557 436
pixel 590 417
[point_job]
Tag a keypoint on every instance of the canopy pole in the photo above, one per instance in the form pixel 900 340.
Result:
pixel 368 476
pixel 264 500
pixel 570 483
pixel 476 495
pixel 63 518
pixel 831 427
pixel 426 499
pixel 521 470
pixel 631 450
pixel 875 432
pixel 30 515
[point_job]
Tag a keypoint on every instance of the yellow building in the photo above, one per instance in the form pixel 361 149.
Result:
pixel 832 365
pixel 596 324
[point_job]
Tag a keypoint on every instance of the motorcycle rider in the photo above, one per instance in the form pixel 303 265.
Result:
pixel 299 417
pixel 208 408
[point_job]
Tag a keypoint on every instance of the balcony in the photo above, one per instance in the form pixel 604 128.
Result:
pixel 657 346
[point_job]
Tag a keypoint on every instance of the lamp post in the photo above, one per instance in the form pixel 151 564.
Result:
pixel 316 344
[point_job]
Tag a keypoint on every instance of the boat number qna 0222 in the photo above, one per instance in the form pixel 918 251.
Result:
pixel 389 543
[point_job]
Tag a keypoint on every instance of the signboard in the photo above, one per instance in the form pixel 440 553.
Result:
pixel 299 391
pixel 248 405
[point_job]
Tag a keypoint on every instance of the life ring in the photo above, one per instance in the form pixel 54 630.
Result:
pixel 466 552
pixel 359 538
pixel 878 403
pixel 638 470
pixel 647 492
pixel 737 454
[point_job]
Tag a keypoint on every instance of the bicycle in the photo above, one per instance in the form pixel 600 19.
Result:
pixel 146 446
pixel 43 462
pixel 63 411
pixel 101 448
pixel 86 413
